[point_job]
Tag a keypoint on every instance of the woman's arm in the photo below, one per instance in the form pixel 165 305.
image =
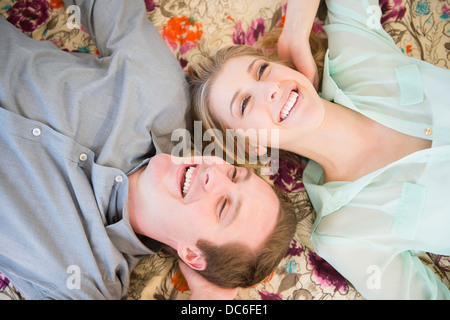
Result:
pixel 293 44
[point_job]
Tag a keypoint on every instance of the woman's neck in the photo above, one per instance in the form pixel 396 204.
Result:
pixel 344 144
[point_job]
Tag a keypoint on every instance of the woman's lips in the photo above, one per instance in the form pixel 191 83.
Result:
pixel 289 105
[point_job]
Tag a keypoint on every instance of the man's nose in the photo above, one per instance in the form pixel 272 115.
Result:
pixel 216 180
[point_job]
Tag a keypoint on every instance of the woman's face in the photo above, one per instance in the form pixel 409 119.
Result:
pixel 251 93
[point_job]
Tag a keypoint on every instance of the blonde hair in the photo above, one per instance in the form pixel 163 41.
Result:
pixel 202 75
pixel 235 265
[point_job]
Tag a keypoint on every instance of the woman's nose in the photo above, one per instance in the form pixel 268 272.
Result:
pixel 271 90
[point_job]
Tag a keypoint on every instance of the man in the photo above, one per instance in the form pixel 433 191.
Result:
pixel 80 200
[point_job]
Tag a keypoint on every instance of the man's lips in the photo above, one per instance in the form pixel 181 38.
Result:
pixel 186 178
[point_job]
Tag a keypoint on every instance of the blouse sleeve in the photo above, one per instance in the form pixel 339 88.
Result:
pixel 356 24
pixel 364 62
pixel 381 273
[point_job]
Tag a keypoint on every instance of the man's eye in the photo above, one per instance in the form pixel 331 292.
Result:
pixel 244 104
pixel 219 214
pixel 234 174
pixel 262 69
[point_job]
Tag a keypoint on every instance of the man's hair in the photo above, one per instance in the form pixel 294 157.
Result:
pixel 236 265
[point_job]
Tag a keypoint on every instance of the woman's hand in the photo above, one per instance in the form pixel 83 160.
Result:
pixel 297 51
pixel 293 44
pixel 201 289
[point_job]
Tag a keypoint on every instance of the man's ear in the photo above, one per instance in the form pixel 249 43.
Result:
pixel 192 257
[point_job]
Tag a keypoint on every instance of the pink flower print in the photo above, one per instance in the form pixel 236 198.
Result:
pixel 4 282
pixel 265 295
pixel 443 263
pixel 294 250
pixel 392 10
pixel 249 37
pixel 445 12
pixel 318 26
pixel 289 175
pixel 150 5
pixel 326 274
pixel 28 15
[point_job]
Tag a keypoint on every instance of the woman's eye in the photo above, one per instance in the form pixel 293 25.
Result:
pixel 261 70
pixel 234 174
pixel 244 104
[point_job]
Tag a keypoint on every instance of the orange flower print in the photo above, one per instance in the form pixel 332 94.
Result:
pixel 56 4
pixel 179 282
pixel 182 33
pixel 267 279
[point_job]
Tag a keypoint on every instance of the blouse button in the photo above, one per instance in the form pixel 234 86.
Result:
pixel 119 178
pixel 428 131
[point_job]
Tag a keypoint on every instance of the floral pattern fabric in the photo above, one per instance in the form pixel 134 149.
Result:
pixel 420 28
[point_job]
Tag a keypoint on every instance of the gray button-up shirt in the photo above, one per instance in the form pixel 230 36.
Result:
pixel 72 126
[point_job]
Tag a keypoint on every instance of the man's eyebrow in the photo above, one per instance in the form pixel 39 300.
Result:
pixel 248 174
pixel 236 94
pixel 247 177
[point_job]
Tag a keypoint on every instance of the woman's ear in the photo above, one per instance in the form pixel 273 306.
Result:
pixel 192 257
pixel 253 148
pixel 256 150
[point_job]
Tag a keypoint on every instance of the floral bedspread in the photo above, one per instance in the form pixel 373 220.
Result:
pixel 420 28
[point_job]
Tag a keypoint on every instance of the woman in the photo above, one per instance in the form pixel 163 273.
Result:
pixel 378 137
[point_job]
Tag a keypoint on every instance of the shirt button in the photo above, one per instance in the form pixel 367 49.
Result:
pixel 118 178
pixel 36 132
pixel 83 157
pixel 428 131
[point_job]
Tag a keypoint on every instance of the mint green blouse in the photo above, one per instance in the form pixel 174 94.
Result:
pixel 371 229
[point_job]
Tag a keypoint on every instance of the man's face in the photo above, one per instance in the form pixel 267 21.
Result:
pixel 220 203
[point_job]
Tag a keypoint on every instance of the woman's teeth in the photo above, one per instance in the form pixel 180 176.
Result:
pixel 288 106
pixel 187 180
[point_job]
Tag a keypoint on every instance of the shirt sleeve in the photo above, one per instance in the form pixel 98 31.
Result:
pixel 137 81
pixel 110 23
pixel 123 33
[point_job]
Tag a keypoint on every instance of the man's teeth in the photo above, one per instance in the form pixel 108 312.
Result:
pixel 187 180
pixel 289 104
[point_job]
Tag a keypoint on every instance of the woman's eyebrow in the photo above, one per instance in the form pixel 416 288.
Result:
pixel 236 94
pixel 250 67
